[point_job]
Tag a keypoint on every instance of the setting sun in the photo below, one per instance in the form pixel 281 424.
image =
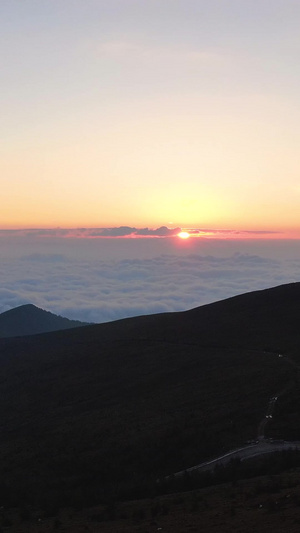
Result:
pixel 183 235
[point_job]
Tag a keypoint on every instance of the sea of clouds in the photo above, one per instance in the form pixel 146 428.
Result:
pixel 99 280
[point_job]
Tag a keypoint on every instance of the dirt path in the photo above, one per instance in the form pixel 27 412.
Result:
pixel 271 403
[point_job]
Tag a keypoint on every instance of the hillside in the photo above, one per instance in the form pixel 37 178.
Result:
pixel 107 409
pixel 30 320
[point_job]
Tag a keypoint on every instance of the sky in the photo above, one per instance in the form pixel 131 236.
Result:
pixel 150 113
pixel 149 153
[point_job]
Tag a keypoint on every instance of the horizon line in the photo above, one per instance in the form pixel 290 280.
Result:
pixel 162 232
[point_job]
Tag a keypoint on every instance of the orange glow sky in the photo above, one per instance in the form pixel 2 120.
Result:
pixel 181 113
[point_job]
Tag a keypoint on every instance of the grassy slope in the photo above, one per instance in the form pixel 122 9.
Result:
pixel 103 408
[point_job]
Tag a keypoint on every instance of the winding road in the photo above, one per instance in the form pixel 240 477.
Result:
pixel 247 452
pixel 257 447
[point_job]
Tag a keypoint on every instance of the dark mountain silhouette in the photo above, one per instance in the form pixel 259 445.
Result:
pixel 29 320
pixel 92 412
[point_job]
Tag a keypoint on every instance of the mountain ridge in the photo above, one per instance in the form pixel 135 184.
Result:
pixel 29 319
pixel 258 317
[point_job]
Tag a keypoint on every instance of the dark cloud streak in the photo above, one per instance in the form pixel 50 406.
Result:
pixel 127 232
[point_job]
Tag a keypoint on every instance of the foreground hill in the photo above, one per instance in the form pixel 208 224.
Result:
pixel 30 320
pixel 103 410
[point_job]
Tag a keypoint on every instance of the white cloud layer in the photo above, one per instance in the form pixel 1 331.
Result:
pixel 102 281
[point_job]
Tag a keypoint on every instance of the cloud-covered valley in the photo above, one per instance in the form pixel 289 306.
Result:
pixel 102 284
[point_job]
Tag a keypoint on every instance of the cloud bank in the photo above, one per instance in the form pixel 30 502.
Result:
pixel 96 284
pixel 85 233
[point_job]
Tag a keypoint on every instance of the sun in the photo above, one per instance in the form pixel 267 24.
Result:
pixel 183 235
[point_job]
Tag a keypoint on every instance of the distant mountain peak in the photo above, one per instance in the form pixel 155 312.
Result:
pixel 28 319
